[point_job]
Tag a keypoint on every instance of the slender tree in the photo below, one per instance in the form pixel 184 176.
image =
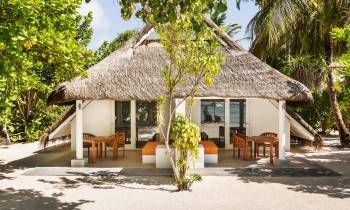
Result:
pixel 192 50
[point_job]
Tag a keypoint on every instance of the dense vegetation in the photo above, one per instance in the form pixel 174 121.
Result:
pixel 295 36
pixel 107 48
pixel 42 44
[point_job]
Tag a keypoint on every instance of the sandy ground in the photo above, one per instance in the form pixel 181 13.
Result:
pixel 137 192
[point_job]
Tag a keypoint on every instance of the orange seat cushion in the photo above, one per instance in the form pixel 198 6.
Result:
pixel 209 147
pixel 150 148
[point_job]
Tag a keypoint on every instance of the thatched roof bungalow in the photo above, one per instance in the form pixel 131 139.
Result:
pixel 133 73
pixel 139 64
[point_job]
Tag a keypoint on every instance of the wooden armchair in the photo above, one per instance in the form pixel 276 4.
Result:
pixel 267 144
pixel 120 137
pixel 86 144
pixel 240 142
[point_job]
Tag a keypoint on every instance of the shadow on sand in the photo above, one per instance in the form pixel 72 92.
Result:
pixel 11 198
pixel 334 183
pixel 108 180
pixel 335 188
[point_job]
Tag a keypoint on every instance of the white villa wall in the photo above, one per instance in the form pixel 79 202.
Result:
pixel 194 112
pixel 98 119
pixel 263 117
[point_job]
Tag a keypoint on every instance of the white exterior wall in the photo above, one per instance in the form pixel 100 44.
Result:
pixel 98 119
pixel 195 112
pixel 261 114
pixel 263 117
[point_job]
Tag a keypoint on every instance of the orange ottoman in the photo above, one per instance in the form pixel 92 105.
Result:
pixel 149 152
pixel 211 152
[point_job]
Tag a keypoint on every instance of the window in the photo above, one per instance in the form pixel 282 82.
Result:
pixel 146 122
pixel 122 113
pixel 237 113
pixel 212 111
pixel 146 113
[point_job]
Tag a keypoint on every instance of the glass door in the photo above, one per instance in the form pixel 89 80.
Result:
pixel 122 119
pixel 237 116
pixel 146 122
pixel 213 120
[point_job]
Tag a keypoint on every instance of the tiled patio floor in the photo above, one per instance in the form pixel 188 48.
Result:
pixel 60 156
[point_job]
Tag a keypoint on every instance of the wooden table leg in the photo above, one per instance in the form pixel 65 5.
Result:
pixel 100 145
pixel 114 150
pixel 94 152
pixel 245 151
pixel 271 152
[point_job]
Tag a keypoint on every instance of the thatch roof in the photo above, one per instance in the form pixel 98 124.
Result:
pixel 134 73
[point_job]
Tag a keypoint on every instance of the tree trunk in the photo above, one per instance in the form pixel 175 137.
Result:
pixel 167 138
pixel 5 135
pixel 344 133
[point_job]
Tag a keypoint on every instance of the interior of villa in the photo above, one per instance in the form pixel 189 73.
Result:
pixel 212 121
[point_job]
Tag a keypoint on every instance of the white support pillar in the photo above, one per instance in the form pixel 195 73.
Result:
pixel 180 107
pixel 72 136
pixel 79 159
pixel 227 124
pixel 282 130
pixel 133 128
pixel 79 130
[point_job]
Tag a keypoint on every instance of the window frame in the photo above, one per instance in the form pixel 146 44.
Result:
pixel 213 101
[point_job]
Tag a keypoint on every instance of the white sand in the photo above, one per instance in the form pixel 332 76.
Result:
pixel 223 192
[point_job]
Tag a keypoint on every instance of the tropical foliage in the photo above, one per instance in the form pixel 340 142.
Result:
pixel 164 12
pixel 219 19
pixel 107 48
pixel 318 114
pixel 186 138
pixel 190 44
pixel 42 44
pixel 283 29
pixel 309 70
pixel 193 54
pixel 342 35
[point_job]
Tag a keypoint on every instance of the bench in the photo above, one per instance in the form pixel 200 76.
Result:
pixel 211 152
pixel 149 152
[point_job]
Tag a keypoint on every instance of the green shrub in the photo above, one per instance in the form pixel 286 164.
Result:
pixel 186 138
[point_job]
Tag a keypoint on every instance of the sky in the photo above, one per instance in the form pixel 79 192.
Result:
pixel 107 21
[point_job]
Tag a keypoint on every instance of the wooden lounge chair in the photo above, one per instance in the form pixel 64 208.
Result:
pixel 267 144
pixel 240 142
pixel 120 138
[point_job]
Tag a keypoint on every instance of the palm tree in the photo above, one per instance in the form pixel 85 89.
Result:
pixel 231 29
pixel 299 27
pixel 306 69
